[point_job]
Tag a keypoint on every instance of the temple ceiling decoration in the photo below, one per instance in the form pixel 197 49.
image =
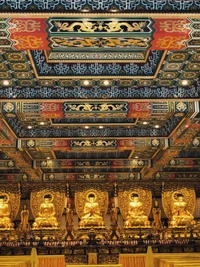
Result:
pixel 99 90
pixel 102 5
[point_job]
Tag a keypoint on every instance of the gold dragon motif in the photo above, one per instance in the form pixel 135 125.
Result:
pixel 84 26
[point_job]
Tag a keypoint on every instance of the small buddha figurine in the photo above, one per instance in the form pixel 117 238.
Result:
pixel 5 221
pixel 156 211
pixel 46 216
pixel 24 215
pixel 180 215
pixel 136 216
pixel 91 214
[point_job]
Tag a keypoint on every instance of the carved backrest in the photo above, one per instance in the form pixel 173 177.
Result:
pixel 125 197
pixel 13 200
pixel 81 198
pixel 168 197
pixel 57 198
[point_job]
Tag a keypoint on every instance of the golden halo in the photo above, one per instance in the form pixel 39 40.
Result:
pixel 49 193
pixel 6 197
pixel 174 195
pixel 91 192
pixel 130 195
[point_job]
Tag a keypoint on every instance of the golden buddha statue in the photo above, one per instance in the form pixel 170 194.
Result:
pixel 5 221
pixel 180 215
pixel 136 216
pixel 46 216
pixel 91 214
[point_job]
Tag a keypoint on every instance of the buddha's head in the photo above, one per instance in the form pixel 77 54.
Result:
pixel 2 198
pixel 91 198
pixel 179 197
pixel 135 197
pixel 47 198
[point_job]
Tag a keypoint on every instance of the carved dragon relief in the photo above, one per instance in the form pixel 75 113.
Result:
pixel 100 26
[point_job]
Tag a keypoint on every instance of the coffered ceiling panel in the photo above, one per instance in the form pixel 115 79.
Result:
pixel 99 90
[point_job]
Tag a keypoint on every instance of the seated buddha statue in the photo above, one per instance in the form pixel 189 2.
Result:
pixel 91 214
pixel 5 221
pixel 180 215
pixel 136 216
pixel 46 216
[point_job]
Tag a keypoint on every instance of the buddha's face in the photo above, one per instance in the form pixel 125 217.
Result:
pixel 46 200
pixel 180 198
pixel 1 200
pixel 91 199
pixel 135 199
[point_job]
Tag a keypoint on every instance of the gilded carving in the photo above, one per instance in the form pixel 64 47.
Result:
pixel 168 75
pixel 144 199
pixel 23 75
pixel 15 56
pixel 168 197
pixel 196 57
pixel 95 115
pixel 139 42
pixel 196 142
pixel 97 143
pixel 101 107
pixel 116 26
pixel 91 176
pixel 9 207
pixel 181 106
pixel 37 198
pixel 85 26
pixel 189 75
pixel 8 107
pixel 91 207
pixel 111 26
pixel 172 42
pixel 178 57
pixel 29 25
pixel 175 26
pixel 193 66
pixel 19 66
pixel 30 42
pixel 2 67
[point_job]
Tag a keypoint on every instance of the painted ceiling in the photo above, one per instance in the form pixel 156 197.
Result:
pixel 99 90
